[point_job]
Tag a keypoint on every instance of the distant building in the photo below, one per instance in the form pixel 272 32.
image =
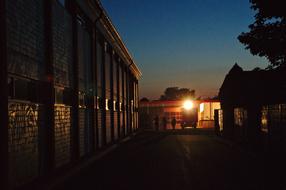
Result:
pixel 204 112
pixel 254 107
pixel 69 87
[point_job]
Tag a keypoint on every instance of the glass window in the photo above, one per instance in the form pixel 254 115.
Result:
pixel 240 116
pixel 106 104
pixel 264 120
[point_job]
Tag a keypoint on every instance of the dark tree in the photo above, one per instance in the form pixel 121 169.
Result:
pixel 176 93
pixel 170 93
pixel 267 35
pixel 215 97
pixel 144 99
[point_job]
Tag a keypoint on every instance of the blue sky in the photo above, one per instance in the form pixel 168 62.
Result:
pixel 184 43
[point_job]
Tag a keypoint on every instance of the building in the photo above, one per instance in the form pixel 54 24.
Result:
pixel 69 87
pixel 254 107
pixel 204 112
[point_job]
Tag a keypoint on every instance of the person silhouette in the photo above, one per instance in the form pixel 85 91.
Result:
pixel 164 121
pixel 156 123
pixel 174 122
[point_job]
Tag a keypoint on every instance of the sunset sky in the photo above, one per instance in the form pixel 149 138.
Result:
pixel 185 43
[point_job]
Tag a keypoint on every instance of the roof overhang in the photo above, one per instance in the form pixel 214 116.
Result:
pixel 98 15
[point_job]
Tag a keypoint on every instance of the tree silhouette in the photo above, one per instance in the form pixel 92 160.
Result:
pixel 176 93
pixel 144 99
pixel 267 35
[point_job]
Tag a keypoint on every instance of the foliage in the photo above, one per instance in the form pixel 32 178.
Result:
pixel 144 99
pixel 267 35
pixel 176 93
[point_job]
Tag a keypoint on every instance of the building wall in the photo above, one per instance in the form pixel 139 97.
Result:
pixel 206 114
pixel 25 62
pixel 262 127
pixel 62 64
pixel 66 83
pixel 62 135
pixel 170 109
pixel 24 123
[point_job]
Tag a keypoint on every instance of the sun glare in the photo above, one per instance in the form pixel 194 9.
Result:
pixel 188 105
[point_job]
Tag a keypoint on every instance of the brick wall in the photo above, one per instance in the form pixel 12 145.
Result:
pixel 62 135
pixel 28 155
pixel 108 127
pixel 82 131
pixel 99 119
pixel 23 142
pixel 95 131
pixel 26 46
pixel 88 135
pixel 121 124
pixel 115 125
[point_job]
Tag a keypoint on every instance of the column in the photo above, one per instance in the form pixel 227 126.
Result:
pixel 49 99
pixel 75 95
pixel 3 100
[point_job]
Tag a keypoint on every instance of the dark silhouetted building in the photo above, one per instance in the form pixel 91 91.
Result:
pixel 254 107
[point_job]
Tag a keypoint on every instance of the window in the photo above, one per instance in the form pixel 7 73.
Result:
pixel 120 107
pixel 106 104
pixel 97 102
pixel 264 120
pixel 240 117
pixel 101 103
pixel 81 100
pixel 115 108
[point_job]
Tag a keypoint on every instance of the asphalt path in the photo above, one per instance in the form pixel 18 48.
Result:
pixel 172 161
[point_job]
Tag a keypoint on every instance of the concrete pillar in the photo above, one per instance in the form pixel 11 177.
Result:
pixel 112 66
pixel 3 100
pixel 96 104
pixel 103 122
pixel 92 91
pixel 137 102
pixel 127 101
pixel 75 96
pixel 48 154
pixel 123 99
pixel 118 96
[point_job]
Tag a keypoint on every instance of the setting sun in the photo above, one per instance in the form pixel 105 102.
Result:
pixel 188 104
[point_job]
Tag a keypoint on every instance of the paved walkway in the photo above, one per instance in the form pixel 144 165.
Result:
pixel 177 162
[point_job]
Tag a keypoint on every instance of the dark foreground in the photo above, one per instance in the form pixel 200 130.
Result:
pixel 164 161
